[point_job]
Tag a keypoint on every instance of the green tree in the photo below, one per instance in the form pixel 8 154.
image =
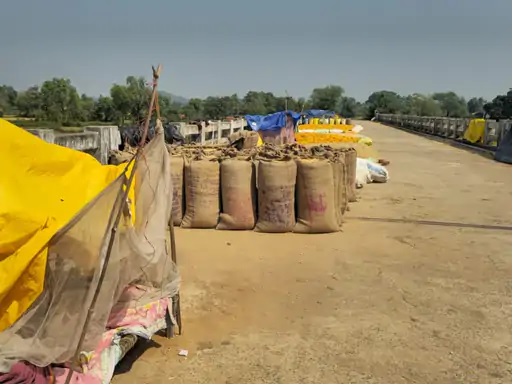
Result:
pixel 103 109
pixel 218 107
pixel 121 103
pixel 87 108
pixel 350 108
pixel 131 100
pixel 475 105
pixel 421 105
pixel 255 103
pixel 452 105
pixel 60 101
pixel 139 96
pixel 500 106
pixel 194 110
pixel 386 102
pixel 8 96
pixel 327 98
pixel 29 102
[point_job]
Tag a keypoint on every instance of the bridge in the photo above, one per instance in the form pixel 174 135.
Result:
pixel 99 140
pixel 216 133
pixel 452 129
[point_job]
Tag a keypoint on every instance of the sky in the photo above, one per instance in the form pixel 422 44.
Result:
pixel 232 46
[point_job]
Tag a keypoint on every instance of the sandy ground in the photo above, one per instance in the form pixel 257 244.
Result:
pixel 377 302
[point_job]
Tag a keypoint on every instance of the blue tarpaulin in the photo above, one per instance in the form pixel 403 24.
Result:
pixel 318 113
pixel 271 122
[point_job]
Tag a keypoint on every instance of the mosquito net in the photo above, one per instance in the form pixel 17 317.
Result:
pixel 50 330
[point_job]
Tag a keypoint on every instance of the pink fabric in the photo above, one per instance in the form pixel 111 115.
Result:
pixel 25 373
pixel 139 320
pixel 285 135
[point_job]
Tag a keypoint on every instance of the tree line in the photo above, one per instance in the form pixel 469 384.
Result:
pixel 58 101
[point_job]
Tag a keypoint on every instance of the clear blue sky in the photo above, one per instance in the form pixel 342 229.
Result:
pixel 221 47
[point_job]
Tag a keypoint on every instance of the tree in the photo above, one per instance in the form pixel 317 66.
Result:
pixel 29 102
pixel 213 108
pixel 475 105
pixel 103 109
pixel 350 108
pixel 194 110
pixel 87 108
pixel 451 104
pixel 60 101
pixel 386 102
pixel 131 100
pixel 327 98
pixel 8 96
pixel 499 107
pixel 254 103
pixel 421 105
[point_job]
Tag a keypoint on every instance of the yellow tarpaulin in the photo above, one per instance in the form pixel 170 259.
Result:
pixel 475 130
pixel 42 186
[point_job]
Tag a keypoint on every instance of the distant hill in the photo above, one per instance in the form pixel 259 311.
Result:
pixel 175 98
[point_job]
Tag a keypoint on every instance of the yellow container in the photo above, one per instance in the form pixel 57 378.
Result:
pixel 316 120
pixel 331 121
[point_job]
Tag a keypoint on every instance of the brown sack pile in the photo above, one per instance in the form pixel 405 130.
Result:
pixel 202 190
pixel 177 171
pixel 276 196
pixel 238 185
pixel 316 196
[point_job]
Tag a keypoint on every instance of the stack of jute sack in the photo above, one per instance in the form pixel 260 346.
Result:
pixel 272 189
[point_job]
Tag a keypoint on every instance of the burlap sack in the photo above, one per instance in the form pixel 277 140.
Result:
pixel 245 139
pixel 276 196
pixel 202 190
pixel 238 185
pixel 340 191
pixel 350 169
pixel 177 171
pixel 317 211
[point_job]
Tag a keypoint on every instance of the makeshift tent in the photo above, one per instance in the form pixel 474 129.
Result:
pixel 57 211
pixel 277 128
pixel 503 153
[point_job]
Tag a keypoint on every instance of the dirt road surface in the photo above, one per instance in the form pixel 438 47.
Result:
pixel 378 302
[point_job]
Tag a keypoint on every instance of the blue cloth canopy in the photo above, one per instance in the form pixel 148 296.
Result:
pixel 271 122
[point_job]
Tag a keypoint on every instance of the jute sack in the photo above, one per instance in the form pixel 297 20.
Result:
pixel 202 190
pixel 276 196
pixel 238 185
pixel 248 139
pixel 177 171
pixel 350 169
pixel 340 191
pixel 317 211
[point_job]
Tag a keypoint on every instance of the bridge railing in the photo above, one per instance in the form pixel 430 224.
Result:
pixel 215 133
pixel 448 128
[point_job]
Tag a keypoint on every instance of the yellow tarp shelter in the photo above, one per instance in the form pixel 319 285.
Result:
pixel 42 186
